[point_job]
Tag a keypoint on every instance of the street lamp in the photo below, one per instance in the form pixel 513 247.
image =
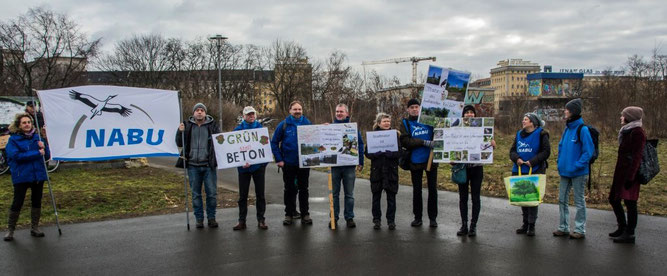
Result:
pixel 219 39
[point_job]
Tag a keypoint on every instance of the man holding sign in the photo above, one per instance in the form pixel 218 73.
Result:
pixel 254 172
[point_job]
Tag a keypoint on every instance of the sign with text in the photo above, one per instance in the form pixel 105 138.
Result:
pixel 381 141
pixel 328 145
pixel 464 140
pixel 435 104
pixel 236 148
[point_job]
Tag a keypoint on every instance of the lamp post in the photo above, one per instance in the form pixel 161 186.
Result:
pixel 219 39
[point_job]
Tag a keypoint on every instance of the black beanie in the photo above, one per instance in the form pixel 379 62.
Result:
pixel 413 101
pixel 469 107
pixel 574 106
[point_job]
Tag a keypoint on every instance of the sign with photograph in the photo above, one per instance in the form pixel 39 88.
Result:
pixel 236 148
pixel 381 141
pixel 328 145
pixel 435 104
pixel 464 140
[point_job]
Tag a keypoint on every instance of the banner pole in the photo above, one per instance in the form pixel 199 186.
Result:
pixel 48 178
pixel 430 161
pixel 331 207
pixel 185 164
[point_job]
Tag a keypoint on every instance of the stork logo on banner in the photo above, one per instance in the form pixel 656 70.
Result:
pixel 98 105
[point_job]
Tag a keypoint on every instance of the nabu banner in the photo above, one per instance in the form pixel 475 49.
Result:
pixel 236 148
pixel 88 123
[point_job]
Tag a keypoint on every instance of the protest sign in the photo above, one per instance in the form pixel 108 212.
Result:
pixel 464 140
pixel 88 123
pixel 436 103
pixel 328 145
pixel 381 141
pixel 236 148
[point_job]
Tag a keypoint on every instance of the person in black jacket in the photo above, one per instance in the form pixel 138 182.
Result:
pixel 384 176
pixel 530 149
pixel 200 161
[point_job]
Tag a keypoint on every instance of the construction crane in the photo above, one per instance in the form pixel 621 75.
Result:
pixel 414 61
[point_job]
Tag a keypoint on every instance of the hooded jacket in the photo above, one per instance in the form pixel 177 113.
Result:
pixel 246 125
pixel 360 139
pixel 575 152
pixel 196 154
pixel 284 144
pixel 25 162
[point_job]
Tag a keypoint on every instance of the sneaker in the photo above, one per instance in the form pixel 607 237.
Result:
pixel 239 226
pixel 416 223
pixel 351 223
pixel 200 223
pixel 212 223
pixel 559 233
pixel 306 219
pixel 376 225
pixel 392 225
pixel 433 224
pixel 262 225
pixel 577 236
pixel 296 215
pixel 287 220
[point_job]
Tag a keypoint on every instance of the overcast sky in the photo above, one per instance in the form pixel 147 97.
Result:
pixel 466 35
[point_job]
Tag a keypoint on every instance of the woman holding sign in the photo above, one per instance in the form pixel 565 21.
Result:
pixel 475 176
pixel 26 152
pixel 248 172
pixel 384 175
pixel 530 149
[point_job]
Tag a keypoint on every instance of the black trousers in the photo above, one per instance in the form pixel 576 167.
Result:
pixel 391 205
pixel 475 177
pixel 631 205
pixel 244 188
pixel 291 174
pixel 529 215
pixel 432 202
pixel 21 189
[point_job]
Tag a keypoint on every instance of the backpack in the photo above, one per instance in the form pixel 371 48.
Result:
pixel 595 136
pixel 649 167
pixel 404 159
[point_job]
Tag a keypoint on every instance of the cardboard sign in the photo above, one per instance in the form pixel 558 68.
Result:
pixel 236 148
pixel 381 141
pixel 328 145
pixel 464 140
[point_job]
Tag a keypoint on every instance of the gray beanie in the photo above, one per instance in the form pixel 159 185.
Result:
pixel 199 105
pixel 534 119
pixel 574 106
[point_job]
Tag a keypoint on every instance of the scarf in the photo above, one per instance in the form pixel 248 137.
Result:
pixel 627 127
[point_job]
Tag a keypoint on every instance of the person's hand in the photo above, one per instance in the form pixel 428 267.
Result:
pixel 247 165
pixel 42 152
pixel 360 168
pixel 40 144
pixel 519 162
pixel 429 144
pixel 493 143
pixel 280 164
pixel 528 164
pixel 181 127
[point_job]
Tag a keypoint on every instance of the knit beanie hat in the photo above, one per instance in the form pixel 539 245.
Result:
pixel 534 119
pixel 413 101
pixel 632 113
pixel 469 107
pixel 199 105
pixel 574 106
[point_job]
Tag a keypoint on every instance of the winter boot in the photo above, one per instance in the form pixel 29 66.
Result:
pixel 473 229
pixel 11 225
pixel 35 213
pixel 628 236
pixel 618 232
pixel 531 230
pixel 523 229
pixel 464 229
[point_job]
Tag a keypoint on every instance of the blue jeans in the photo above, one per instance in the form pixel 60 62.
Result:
pixel 346 175
pixel 208 177
pixel 579 185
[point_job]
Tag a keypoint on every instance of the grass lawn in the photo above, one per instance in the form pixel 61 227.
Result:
pixel 86 194
pixel 652 198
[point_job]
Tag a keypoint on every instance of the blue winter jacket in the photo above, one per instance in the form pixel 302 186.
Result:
pixel 360 141
pixel 246 125
pixel 25 162
pixel 575 152
pixel 284 143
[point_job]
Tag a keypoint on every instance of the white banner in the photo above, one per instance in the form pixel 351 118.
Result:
pixel 381 141
pixel 464 140
pixel 236 148
pixel 328 145
pixel 90 123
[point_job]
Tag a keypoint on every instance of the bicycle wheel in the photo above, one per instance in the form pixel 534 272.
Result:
pixel 4 166
pixel 52 165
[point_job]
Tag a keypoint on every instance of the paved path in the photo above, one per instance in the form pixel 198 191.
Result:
pixel 162 245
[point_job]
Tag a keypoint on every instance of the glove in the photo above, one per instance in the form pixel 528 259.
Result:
pixel 429 144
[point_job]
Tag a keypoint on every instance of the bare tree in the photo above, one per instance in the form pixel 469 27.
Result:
pixel 43 49
pixel 292 73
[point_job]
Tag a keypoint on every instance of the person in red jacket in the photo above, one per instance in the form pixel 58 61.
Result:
pixel 625 186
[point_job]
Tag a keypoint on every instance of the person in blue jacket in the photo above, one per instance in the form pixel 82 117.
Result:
pixel 574 152
pixel 346 174
pixel 26 152
pixel 286 153
pixel 255 172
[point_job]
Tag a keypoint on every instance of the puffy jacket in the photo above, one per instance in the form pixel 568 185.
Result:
pixel 25 162
pixel 360 140
pixel 575 152
pixel 246 125
pixel 384 169
pixel 284 144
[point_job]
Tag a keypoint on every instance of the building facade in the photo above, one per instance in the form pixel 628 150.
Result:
pixel 509 78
